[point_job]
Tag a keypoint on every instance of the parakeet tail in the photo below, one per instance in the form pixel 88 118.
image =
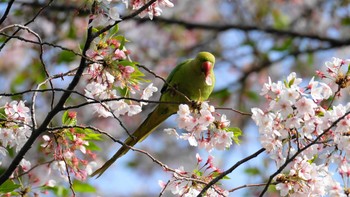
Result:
pixel 154 119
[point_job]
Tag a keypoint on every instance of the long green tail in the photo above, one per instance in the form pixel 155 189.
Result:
pixel 154 119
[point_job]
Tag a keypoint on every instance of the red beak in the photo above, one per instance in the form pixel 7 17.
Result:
pixel 206 67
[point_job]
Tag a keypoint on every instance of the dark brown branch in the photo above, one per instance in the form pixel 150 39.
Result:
pixel 224 27
pixel 8 8
pixel 55 7
pixel 43 43
pixel 223 174
pixel 204 26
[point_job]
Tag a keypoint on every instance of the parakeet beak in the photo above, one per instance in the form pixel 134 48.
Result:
pixel 206 67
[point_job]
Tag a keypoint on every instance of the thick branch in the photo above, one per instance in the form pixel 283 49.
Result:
pixel 204 26
pixel 36 132
pixel 224 27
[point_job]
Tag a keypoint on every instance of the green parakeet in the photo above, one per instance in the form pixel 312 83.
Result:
pixel 194 78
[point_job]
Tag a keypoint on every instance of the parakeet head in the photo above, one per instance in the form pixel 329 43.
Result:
pixel 207 61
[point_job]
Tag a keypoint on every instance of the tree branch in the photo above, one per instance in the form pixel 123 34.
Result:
pixel 224 27
pixel 8 8
pixel 223 174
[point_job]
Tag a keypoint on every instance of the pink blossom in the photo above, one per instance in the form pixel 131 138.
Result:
pixel 148 92
pixel 26 165
pixel 7 137
pixel 319 91
pixel 119 54
pixel 305 106
pixel 17 111
pixel 284 188
pixel 134 109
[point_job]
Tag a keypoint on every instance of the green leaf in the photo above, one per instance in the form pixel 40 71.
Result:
pixel 286 45
pixel 2 113
pixel 236 133
pixel 291 82
pixel 223 95
pixel 252 171
pixel 312 160
pixel 197 172
pixel 58 190
pixel 126 63
pixel 93 147
pixel 122 41
pixel 65 118
pixel 280 20
pixel 89 134
pixel 345 21
pixel 82 187
pixel 310 59
pixel 114 30
pixel 123 92
pixel 93 136
pixel 8 186
pixel 252 95
pixel 66 56
pixel 215 174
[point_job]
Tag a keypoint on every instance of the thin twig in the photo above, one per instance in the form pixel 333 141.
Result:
pixel 246 186
pixel 223 174
pixel 27 23
pixel 235 110
pixel 47 44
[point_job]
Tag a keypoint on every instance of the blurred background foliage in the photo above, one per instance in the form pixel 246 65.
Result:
pixel 251 39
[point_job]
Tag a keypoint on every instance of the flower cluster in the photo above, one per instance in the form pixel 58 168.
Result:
pixel 304 118
pixel 304 178
pixel 66 153
pixel 107 13
pixel 15 127
pixel 154 9
pixel 113 78
pixel 71 149
pixel 189 184
pixel 205 128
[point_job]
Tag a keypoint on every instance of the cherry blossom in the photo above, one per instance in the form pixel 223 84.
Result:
pixel 204 127
pixel 108 14
pixel 294 119
pixel 17 111
pixel 179 184
pixel 148 92
pixel 26 165
pixel 106 80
